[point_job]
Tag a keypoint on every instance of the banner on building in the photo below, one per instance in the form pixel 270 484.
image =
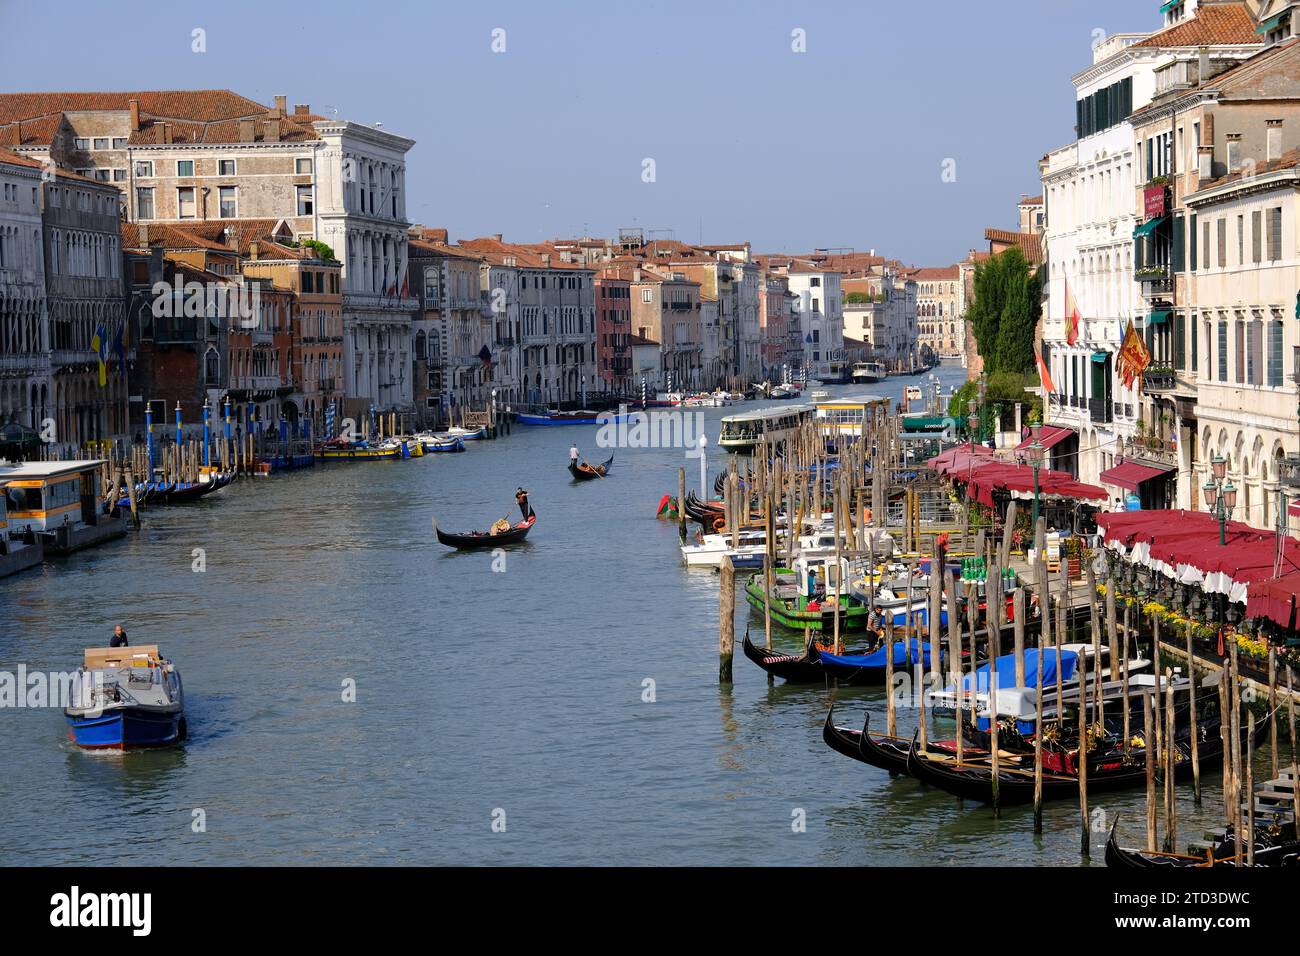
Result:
pixel 1133 359
pixel 1045 377
pixel 1071 316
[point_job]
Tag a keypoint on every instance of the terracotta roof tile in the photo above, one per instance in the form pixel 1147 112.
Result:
pixel 1213 25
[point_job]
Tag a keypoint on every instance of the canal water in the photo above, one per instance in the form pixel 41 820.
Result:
pixel 570 697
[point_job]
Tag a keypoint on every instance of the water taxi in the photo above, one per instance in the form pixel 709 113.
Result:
pixel 59 502
pixel 844 416
pixel 126 697
pixel 438 443
pixel 741 433
pixel 19 552
pixel 342 449
pixel 867 372
pixel 467 434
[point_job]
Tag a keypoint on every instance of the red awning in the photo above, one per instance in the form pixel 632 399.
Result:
pixel 1274 599
pixel 1048 436
pixel 958 461
pixel 1130 474
pixel 1293 509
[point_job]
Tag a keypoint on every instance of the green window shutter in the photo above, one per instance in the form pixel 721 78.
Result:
pixel 1180 352
pixel 1137 253
pixel 1191 242
pixel 1275 353
pixel 1176 253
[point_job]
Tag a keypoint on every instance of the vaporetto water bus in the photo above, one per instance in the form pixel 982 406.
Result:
pixel 741 433
pixel 867 372
pixel 59 502
pixel 844 416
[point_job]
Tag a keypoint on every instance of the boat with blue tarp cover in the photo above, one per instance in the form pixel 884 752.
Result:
pixel 870 668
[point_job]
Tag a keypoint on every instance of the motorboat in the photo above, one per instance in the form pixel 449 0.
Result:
pixel 126 697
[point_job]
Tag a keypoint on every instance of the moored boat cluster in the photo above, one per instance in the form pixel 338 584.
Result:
pixel 1019 665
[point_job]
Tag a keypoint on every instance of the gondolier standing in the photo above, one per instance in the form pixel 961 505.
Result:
pixel 573 453
pixel 521 498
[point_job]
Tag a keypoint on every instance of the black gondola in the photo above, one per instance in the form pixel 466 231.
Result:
pixel 590 472
pixel 190 492
pixel 1267 854
pixel 1107 771
pixel 805 668
pixel 705 513
pixel 483 539
pixel 878 750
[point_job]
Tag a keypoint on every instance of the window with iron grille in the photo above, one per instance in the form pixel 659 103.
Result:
pixel 1223 347
pixel 1275 353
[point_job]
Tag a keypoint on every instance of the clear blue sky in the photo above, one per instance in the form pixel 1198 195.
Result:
pixel 842 145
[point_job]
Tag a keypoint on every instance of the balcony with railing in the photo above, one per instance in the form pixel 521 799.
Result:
pixel 1151 449
pixel 1288 471
pixel 1156 281
pixel 1099 410
pixel 1158 379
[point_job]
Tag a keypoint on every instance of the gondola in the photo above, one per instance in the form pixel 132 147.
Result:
pixel 585 472
pixel 705 513
pixel 879 750
pixel 1284 853
pixel 805 668
pixel 482 539
pixel 1107 771
pixel 869 669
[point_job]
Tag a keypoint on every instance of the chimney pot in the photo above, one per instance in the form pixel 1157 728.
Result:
pixel 252 251
pixel 301 109
pixel 271 131
pixel 281 104
pixel 135 116
pixel 247 131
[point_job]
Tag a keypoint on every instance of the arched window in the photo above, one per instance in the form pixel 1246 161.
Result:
pixel 211 366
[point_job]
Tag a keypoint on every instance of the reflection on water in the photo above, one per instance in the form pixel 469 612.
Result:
pixel 476 690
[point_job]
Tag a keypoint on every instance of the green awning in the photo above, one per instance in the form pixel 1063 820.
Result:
pixel 916 423
pixel 1100 357
pixel 1148 227
pixel 1272 23
pixel 1159 318
pixel 1170 5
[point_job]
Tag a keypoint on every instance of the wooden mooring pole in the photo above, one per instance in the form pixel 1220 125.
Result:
pixel 727 619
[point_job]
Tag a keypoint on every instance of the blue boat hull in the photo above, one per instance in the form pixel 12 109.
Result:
pixel 124 729
pixel 526 419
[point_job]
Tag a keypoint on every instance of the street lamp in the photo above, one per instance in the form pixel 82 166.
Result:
pixel 1220 496
pixel 1036 452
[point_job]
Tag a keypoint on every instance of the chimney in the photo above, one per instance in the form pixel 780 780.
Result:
pixel 1203 64
pixel 144 234
pixel 155 263
pixel 167 133
pixel 301 109
pixel 135 116
pixel 247 131
pixel 497 237
pixel 281 104
pixel 546 259
pixel 636 275
pixel 271 131
pixel 252 251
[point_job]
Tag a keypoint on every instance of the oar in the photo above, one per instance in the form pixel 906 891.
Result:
pixel 593 470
